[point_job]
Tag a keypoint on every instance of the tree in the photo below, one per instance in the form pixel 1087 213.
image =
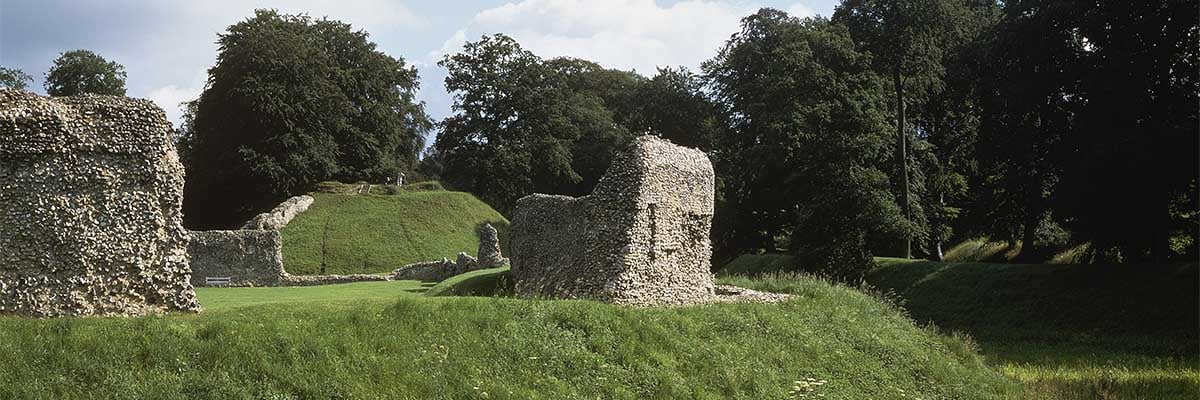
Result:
pixel 1128 160
pixel 82 71
pixel 524 125
pixel 1030 102
pixel 14 78
pixel 807 132
pixel 909 41
pixel 673 105
pixel 293 101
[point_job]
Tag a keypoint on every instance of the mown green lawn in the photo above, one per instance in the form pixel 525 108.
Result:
pixel 1065 331
pixel 372 340
pixel 220 299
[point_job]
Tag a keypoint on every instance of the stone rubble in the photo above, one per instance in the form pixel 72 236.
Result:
pixel 433 271
pixel 90 221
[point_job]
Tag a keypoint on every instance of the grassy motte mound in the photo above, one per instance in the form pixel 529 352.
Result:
pixel 378 233
pixel 421 347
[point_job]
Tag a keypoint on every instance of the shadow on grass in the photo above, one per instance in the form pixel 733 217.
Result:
pixel 424 287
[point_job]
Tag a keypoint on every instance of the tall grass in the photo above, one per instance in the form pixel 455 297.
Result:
pixel 415 347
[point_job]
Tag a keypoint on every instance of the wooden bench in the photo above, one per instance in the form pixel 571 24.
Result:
pixel 217 280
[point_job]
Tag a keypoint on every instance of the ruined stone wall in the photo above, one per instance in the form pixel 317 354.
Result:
pixel 489 255
pixel 427 271
pixel 641 237
pixel 248 257
pixel 281 215
pixel 252 258
pixel 90 195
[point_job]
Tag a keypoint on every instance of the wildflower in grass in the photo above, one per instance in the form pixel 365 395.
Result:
pixel 807 388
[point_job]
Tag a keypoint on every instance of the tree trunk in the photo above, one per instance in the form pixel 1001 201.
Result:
pixel 902 140
pixel 1161 246
pixel 937 233
pixel 1033 216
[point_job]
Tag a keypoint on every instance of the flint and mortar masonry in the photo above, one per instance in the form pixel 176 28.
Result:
pixel 90 195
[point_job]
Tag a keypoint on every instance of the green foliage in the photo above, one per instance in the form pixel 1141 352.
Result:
pixel 494 282
pixel 526 125
pixel 520 120
pixel 393 345
pixel 336 187
pixel 913 42
pixel 293 101
pixel 14 78
pixel 378 233
pixel 82 71
pixel 673 105
pixel 807 134
pixel 1127 153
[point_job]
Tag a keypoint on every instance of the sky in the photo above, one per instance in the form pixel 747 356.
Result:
pixel 167 46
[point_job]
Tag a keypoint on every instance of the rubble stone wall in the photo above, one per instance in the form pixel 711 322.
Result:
pixel 640 238
pixel 252 258
pixel 90 195
pixel 428 271
pixel 281 215
pixel 247 257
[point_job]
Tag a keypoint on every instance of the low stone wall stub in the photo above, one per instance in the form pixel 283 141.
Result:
pixel 247 257
pixel 91 190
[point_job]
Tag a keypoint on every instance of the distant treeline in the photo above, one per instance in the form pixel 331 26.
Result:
pixel 891 128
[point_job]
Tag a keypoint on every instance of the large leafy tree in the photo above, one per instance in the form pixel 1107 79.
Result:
pixel 525 125
pixel 290 102
pixel 909 42
pixel 14 78
pixel 83 71
pixel 1128 165
pixel 674 106
pixel 808 131
pixel 1030 102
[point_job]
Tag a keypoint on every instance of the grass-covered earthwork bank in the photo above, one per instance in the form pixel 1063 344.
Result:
pixel 377 233
pixel 382 340
pixel 1065 331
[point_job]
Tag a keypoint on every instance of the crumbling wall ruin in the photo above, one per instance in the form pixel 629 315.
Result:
pixel 281 215
pixel 489 248
pixel 90 195
pixel 246 257
pixel 640 238
pixel 251 258
pixel 489 256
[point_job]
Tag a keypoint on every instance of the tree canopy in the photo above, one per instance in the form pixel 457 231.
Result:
pixel 83 71
pixel 293 101
pixel 807 136
pixel 526 125
pixel 14 78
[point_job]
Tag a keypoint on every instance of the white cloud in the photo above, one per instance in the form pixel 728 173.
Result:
pixel 800 10
pixel 170 96
pixel 624 34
